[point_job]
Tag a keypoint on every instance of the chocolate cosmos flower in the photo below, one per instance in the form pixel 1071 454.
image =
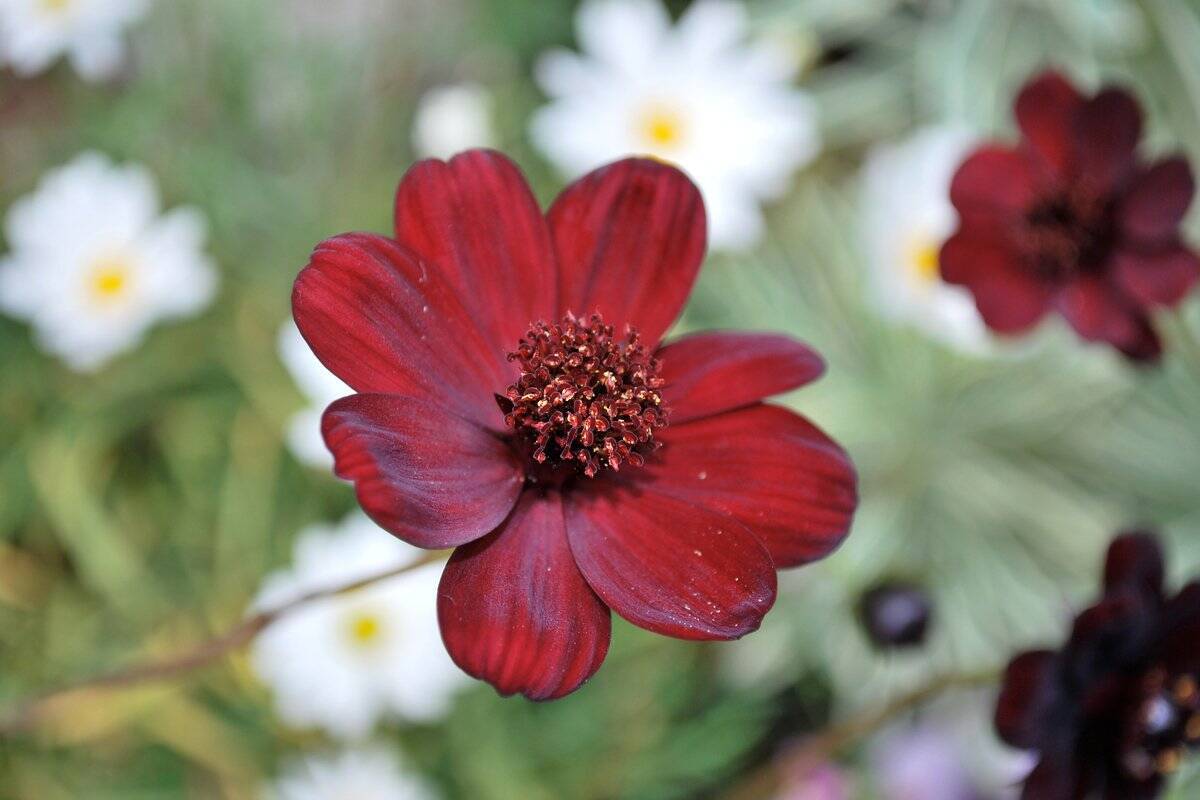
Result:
pixel 1072 220
pixel 515 404
pixel 1118 706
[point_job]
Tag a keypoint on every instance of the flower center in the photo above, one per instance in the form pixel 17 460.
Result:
pixel 364 629
pixel 585 399
pixel 55 6
pixel 1165 721
pixel 922 261
pixel 108 280
pixel 1068 234
pixel 661 128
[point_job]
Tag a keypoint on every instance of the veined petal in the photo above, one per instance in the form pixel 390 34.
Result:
pixel 475 220
pixel 382 321
pixel 670 566
pixel 708 373
pixel 515 611
pixel 629 238
pixel 772 470
pixel 430 477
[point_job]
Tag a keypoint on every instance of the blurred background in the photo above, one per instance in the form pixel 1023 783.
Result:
pixel 158 477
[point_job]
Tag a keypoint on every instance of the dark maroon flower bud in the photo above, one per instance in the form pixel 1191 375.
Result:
pixel 1072 219
pixel 896 614
pixel 1117 708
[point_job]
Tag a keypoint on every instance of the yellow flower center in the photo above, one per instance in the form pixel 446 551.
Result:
pixel 661 128
pixel 364 629
pixel 923 261
pixel 109 279
pixel 55 6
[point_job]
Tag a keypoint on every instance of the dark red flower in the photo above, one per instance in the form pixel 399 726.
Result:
pixel 516 404
pixel 1072 220
pixel 1118 706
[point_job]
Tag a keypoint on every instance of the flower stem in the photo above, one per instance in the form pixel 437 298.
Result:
pixel 27 715
pixel 820 747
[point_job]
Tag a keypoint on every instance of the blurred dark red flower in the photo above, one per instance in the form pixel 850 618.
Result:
pixel 1118 706
pixel 576 464
pixel 1071 219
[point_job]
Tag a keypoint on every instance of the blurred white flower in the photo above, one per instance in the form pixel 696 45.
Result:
pixel 94 264
pixel 906 217
pixel 345 662
pixel 35 33
pixel 320 386
pixel 450 119
pixel 362 774
pixel 697 95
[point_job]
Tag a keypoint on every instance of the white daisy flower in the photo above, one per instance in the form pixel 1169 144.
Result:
pixel 320 386
pixel 696 94
pixel 362 774
pixel 346 662
pixel 35 33
pixel 451 119
pixel 906 217
pixel 94 264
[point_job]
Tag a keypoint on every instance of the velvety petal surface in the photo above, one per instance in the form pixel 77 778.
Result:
pixel 430 477
pixel 382 322
pixel 994 181
pixel 1027 693
pixel 1099 313
pixel 1134 560
pixel 514 610
pixel 1157 200
pixel 1159 278
pixel 475 220
pixel 1107 129
pixel 670 566
pixel 768 468
pixel 1045 110
pixel 708 373
pixel 629 238
pixel 1009 299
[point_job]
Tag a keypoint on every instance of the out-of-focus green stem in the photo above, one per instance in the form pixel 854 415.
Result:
pixel 27 715
pixel 827 743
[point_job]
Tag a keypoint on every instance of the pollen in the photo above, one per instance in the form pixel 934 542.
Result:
pixel 586 399
pixel 923 261
pixel 108 279
pixel 661 128
pixel 364 629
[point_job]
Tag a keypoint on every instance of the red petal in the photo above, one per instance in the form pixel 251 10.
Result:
pixel 514 610
pixel 1157 200
pixel 477 221
pixel 630 239
pixel 1046 110
pixel 1099 313
pixel 770 469
pixel 431 478
pixel 1055 778
pixel 1009 299
pixel 996 181
pixel 1160 278
pixel 1027 694
pixel 708 373
pixel 382 323
pixel 669 566
pixel 1182 615
pixel 1135 561
pixel 1107 131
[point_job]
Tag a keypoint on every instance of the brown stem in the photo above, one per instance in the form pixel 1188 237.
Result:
pixel 825 744
pixel 26 715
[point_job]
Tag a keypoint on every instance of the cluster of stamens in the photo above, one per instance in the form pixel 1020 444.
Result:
pixel 1068 234
pixel 1163 725
pixel 585 398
